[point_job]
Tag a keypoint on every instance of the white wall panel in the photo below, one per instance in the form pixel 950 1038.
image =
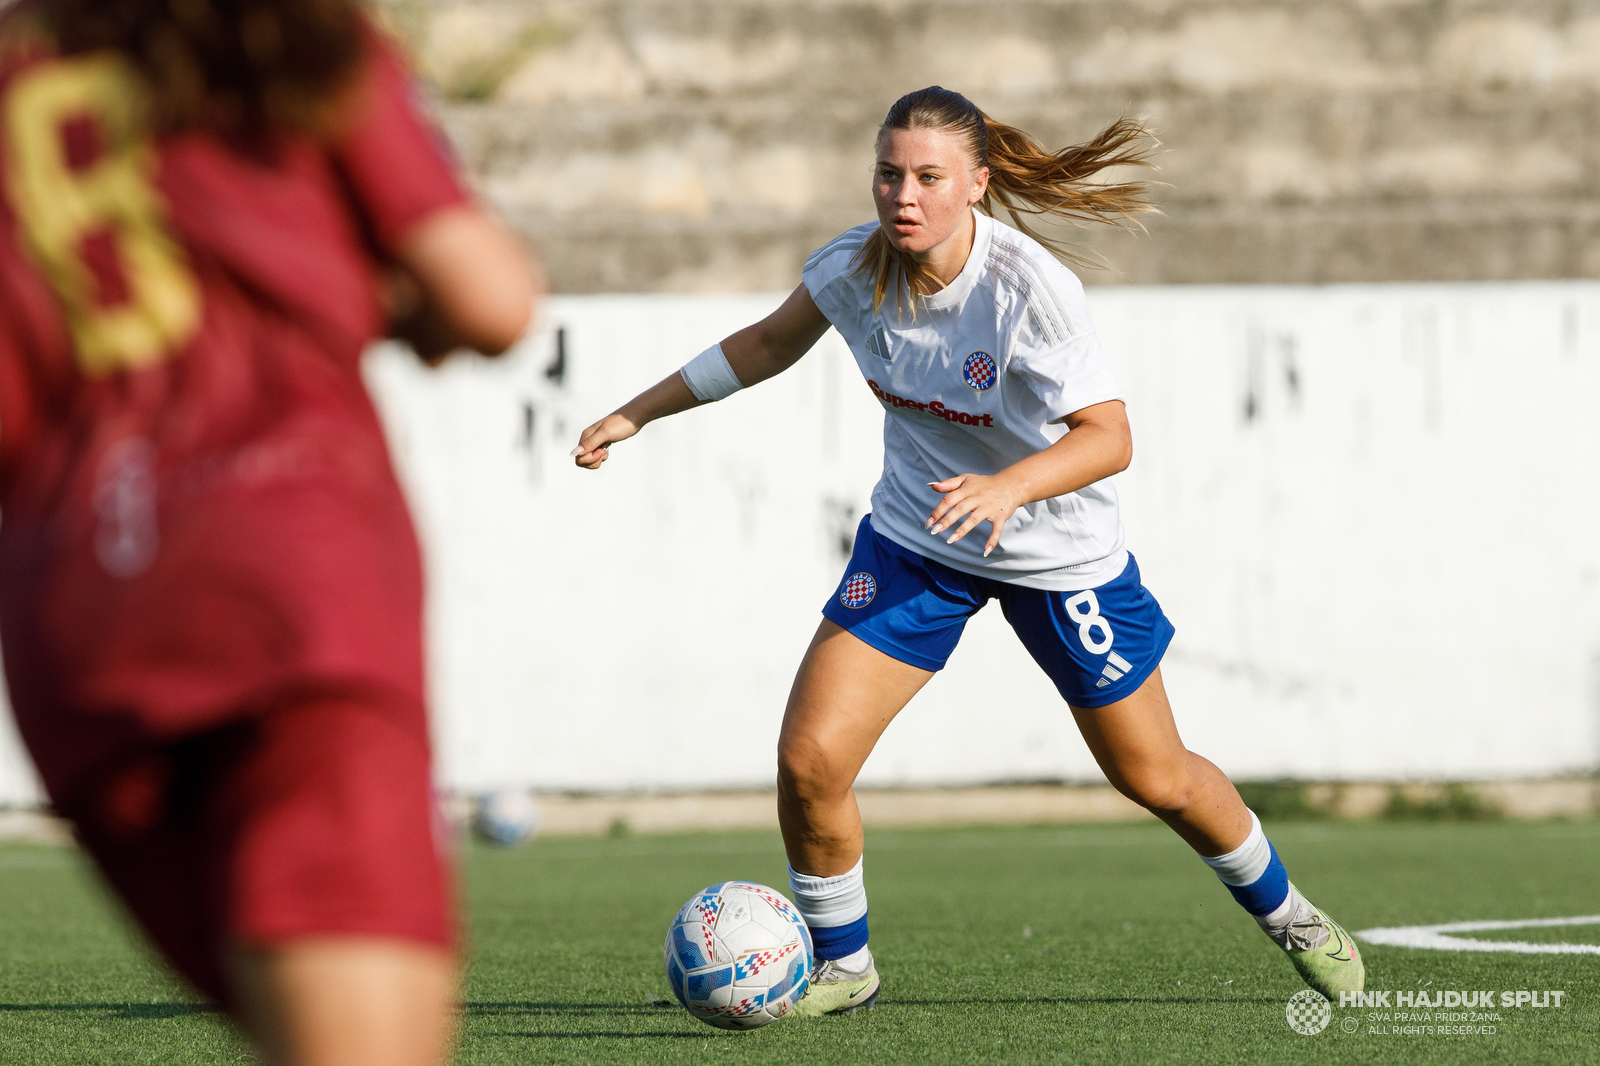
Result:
pixel 1373 513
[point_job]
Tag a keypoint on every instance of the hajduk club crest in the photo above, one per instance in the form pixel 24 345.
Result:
pixel 858 590
pixel 979 371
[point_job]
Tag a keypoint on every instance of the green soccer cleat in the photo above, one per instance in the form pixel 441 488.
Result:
pixel 1325 955
pixel 839 991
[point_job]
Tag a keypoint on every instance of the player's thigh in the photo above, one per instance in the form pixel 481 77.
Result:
pixel 890 625
pixel 349 1001
pixel 1135 740
pixel 1102 648
pixel 844 696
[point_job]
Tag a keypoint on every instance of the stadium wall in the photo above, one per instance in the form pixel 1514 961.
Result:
pixel 709 145
pixel 1369 510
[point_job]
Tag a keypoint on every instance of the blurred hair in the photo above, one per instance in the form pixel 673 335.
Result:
pixel 1024 178
pixel 231 66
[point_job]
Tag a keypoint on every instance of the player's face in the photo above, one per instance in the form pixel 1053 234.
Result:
pixel 925 185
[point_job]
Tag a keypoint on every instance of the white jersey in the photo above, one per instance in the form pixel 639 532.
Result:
pixel 978 379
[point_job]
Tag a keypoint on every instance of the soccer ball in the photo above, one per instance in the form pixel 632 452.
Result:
pixel 738 955
pixel 507 817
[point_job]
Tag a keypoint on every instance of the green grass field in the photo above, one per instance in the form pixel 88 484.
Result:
pixel 1102 944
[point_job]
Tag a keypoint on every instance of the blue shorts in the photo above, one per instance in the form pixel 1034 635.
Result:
pixel 1098 645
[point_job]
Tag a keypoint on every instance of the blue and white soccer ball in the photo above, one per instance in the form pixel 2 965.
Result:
pixel 507 817
pixel 738 955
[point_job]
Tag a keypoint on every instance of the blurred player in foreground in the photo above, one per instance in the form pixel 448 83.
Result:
pixel 210 591
pixel 1000 409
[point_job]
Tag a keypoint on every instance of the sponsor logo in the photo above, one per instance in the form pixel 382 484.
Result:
pixel 934 408
pixel 128 536
pixel 858 590
pixel 1115 669
pixel 879 345
pixel 979 371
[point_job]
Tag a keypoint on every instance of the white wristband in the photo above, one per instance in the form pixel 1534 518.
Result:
pixel 709 376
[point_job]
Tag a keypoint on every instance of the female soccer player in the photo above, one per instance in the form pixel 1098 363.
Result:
pixel 210 591
pixel 999 410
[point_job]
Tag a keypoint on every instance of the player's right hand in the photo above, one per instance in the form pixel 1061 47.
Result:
pixel 592 449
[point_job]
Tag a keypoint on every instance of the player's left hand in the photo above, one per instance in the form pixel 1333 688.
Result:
pixel 593 447
pixel 413 318
pixel 982 499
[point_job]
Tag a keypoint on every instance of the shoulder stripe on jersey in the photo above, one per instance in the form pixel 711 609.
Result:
pixel 1040 291
pixel 1008 272
pixel 848 237
pixel 1040 313
pixel 1044 305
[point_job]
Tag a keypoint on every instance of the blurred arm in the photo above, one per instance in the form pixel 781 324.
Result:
pixel 755 353
pixel 467 282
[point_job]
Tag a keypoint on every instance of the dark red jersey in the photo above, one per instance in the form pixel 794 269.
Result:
pixel 199 513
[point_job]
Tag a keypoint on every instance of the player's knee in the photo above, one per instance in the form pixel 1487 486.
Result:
pixel 806 771
pixel 1156 790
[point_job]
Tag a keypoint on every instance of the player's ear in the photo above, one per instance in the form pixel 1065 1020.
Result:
pixel 980 185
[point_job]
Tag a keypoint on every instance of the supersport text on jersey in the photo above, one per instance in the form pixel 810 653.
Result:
pixel 935 408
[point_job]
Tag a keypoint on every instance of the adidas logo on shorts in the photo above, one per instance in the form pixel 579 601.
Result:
pixel 1116 666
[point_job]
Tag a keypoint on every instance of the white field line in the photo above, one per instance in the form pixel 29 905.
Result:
pixel 1433 936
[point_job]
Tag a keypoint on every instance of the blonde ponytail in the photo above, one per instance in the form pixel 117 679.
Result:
pixel 1025 179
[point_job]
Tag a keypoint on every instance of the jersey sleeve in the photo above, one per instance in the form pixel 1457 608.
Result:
pixel 1056 351
pixel 396 162
pixel 828 273
pixel 1069 376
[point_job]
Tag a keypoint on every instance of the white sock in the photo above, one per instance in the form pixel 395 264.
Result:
pixel 830 901
pixel 836 910
pixel 856 960
pixel 1285 911
pixel 1246 863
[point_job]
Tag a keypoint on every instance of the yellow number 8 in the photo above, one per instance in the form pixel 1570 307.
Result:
pixel 78 168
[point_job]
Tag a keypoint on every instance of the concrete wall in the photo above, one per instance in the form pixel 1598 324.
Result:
pixel 708 145
pixel 1368 509
pixel 1371 512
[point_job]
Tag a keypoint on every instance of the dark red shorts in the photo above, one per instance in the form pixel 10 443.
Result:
pixel 313 819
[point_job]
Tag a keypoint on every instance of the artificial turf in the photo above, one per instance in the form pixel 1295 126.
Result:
pixel 1104 944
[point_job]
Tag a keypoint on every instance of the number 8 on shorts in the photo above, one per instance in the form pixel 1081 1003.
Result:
pixel 1084 609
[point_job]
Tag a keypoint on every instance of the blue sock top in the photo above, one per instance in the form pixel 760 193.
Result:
pixel 1266 893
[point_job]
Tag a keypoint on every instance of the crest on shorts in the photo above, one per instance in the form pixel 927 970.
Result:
pixel 858 590
pixel 979 371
